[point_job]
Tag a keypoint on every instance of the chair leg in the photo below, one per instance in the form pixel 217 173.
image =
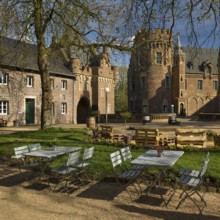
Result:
pixel 189 195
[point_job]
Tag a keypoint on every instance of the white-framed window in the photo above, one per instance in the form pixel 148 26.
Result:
pixel 29 81
pixel 215 85
pixel 63 84
pixel 199 85
pixel 3 107
pixel 159 58
pixel 63 108
pixel 3 78
pixel 52 83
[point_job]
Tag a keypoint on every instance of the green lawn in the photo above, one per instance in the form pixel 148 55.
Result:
pixel 101 160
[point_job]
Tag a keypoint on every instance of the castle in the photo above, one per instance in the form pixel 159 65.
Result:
pixel 76 90
pixel 164 77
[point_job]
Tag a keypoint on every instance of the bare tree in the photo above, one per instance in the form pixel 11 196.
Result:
pixel 89 24
pixel 74 22
pixel 196 20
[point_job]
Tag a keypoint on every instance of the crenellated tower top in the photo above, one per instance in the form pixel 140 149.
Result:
pixel 156 35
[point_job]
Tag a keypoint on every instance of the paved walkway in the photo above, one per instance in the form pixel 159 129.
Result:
pixel 209 125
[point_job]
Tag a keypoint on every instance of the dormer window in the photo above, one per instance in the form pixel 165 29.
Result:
pixel 190 65
pixel 207 69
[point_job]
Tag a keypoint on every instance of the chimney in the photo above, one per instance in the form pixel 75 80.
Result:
pixel 75 65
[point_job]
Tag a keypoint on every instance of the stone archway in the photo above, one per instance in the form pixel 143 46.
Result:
pixel 83 109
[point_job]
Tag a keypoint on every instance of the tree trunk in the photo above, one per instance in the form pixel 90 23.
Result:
pixel 42 65
pixel 46 89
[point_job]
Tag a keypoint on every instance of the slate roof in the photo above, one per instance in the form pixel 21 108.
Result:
pixel 198 56
pixel 19 54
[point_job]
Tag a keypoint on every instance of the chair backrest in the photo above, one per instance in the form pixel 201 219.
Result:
pixel 73 158
pixel 19 151
pixel 34 147
pixel 207 156
pixel 116 159
pixel 88 153
pixel 126 153
pixel 204 167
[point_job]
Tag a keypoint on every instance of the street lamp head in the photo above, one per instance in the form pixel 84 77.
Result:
pixel 107 89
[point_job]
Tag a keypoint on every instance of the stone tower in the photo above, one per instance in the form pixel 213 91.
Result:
pixel 149 74
pixel 178 79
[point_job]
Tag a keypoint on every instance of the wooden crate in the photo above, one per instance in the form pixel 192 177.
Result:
pixel 191 137
pixel 147 137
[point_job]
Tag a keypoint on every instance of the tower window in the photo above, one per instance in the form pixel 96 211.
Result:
pixel 215 85
pixel 199 85
pixel 159 58
pixel 167 82
pixel 143 82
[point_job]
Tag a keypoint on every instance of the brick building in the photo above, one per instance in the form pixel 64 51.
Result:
pixel 76 90
pixel 164 77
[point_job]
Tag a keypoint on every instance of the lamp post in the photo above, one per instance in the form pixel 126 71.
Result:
pixel 106 104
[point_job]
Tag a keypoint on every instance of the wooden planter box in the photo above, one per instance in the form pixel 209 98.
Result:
pixel 217 140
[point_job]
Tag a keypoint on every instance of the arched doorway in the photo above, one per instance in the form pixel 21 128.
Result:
pixel 83 109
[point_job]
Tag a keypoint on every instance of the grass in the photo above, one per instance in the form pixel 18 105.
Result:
pixel 101 161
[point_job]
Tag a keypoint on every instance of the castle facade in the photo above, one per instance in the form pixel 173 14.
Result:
pixel 76 90
pixel 164 77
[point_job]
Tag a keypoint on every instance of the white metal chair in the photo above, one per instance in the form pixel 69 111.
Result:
pixel 88 153
pixel 124 176
pixel 126 154
pixel 82 165
pixel 18 157
pixel 193 173
pixel 34 147
pixel 67 174
pixel 190 186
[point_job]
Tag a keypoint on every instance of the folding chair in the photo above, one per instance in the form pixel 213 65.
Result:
pixel 83 164
pixel 190 186
pixel 19 158
pixel 67 174
pixel 124 176
pixel 34 147
pixel 193 173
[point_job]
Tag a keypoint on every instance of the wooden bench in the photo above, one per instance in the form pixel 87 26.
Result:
pixel 191 137
pixel 3 122
pixel 147 137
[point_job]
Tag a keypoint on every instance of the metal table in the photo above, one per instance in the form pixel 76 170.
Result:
pixel 45 157
pixel 167 160
pixel 51 152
